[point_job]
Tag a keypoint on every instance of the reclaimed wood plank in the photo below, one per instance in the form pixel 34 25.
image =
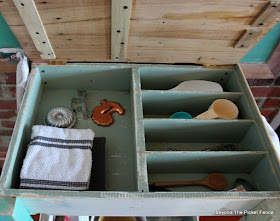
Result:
pixel 120 20
pixel 268 14
pixel 160 31
pixel 13 19
pixel 31 18
pixel 247 38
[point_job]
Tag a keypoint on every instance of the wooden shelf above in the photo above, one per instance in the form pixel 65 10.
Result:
pixel 159 31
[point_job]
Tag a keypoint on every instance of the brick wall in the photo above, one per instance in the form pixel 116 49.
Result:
pixel 266 89
pixel 265 86
pixel 7 107
pixel 268 98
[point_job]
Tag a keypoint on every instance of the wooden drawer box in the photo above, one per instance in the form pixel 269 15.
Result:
pixel 136 154
pixel 137 144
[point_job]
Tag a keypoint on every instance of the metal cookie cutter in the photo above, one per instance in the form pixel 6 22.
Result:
pixel 61 117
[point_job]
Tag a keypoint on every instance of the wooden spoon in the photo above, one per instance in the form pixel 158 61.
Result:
pixel 215 181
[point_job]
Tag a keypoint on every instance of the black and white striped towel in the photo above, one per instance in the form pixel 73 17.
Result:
pixel 58 158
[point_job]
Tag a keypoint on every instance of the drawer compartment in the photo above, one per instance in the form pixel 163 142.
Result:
pixel 198 135
pixel 157 78
pixel 189 166
pixel 58 86
pixel 144 145
pixel 162 104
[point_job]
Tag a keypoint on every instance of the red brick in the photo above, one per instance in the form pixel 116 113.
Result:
pixel 272 103
pixel 6 132
pixel 259 82
pixel 1 163
pixel 8 124
pixel 2 155
pixel 266 91
pixel 269 114
pixel 258 100
pixel 5 141
pixel 36 217
pixel 8 91
pixel 4 149
pixel 8 78
pixel 7 114
pixel 8 104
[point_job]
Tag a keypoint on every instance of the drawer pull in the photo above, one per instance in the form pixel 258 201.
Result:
pixel 215 181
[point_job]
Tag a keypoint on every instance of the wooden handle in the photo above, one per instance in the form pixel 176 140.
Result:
pixel 183 183
pixel 207 115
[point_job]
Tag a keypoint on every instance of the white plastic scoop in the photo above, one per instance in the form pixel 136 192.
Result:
pixel 221 108
pixel 198 86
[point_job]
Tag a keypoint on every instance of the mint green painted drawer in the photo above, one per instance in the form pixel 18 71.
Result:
pixel 137 143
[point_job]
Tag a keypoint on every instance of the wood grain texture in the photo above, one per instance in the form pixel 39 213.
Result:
pixel 161 31
pixel 256 71
pixel 248 38
pixel 31 18
pixel 120 20
pixel 12 17
pixel 269 13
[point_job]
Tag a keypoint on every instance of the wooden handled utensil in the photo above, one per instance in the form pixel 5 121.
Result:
pixel 215 181
pixel 220 108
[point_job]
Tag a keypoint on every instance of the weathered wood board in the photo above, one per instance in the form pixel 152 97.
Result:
pixel 31 18
pixel 137 152
pixel 180 31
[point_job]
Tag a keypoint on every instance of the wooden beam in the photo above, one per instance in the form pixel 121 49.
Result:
pixel 248 38
pixel 31 18
pixel 121 11
pixel 267 15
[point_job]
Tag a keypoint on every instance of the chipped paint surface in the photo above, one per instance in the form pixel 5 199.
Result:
pixel 137 200
pixel 6 206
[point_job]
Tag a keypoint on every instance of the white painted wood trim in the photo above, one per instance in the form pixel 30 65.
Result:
pixel 32 20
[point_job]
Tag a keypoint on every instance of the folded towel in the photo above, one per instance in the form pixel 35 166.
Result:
pixel 58 158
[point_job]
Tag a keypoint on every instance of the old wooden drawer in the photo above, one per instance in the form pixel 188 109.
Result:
pixel 137 143
pixel 191 32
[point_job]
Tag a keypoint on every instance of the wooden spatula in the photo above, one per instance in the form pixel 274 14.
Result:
pixel 215 181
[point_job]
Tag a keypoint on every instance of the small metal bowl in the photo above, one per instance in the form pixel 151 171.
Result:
pixel 61 117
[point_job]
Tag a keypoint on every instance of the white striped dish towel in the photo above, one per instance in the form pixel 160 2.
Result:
pixel 58 158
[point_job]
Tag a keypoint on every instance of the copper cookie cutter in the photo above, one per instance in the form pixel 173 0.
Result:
pixel 102 115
